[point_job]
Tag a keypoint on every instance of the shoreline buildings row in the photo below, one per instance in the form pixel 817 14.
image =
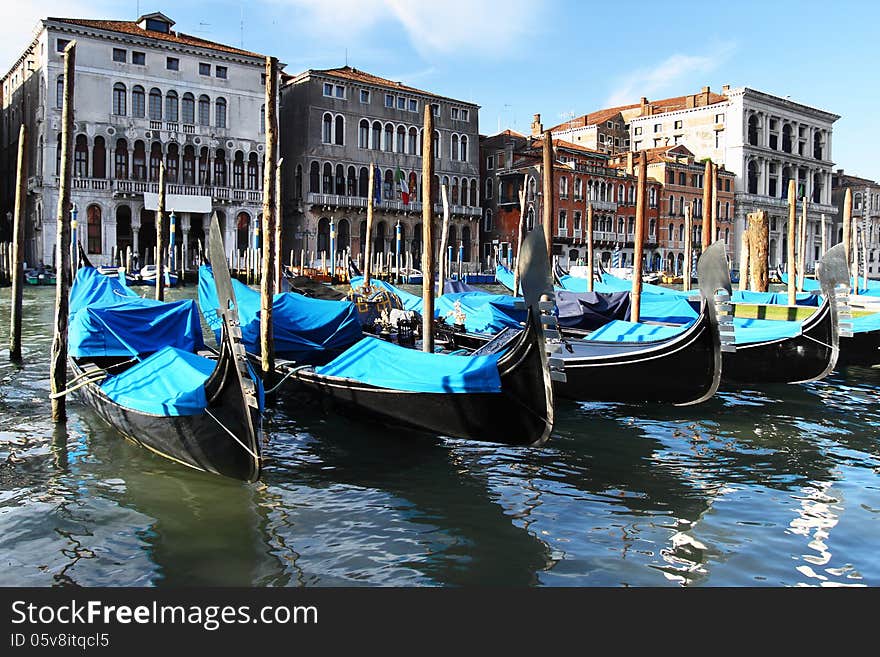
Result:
pixel 146 93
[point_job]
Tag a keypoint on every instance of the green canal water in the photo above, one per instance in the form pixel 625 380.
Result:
pixel 775 486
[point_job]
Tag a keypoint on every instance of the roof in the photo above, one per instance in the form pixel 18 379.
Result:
pixel 356 75
pixel 132 28
pixel 847 179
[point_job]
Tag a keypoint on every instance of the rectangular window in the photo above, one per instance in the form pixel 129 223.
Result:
pixel 676 139
pixel 220 72
pixel 172 63
pixel 658 127
pixel 61 44
pixel 677 125
pixel 328 89
pixel 638 146
pixel 204 69
pixel 413 105
pixel 119 55
pixel 138 58
pixel 463 115
pixel 719 118
pixel 563 220
pixel 389 100
pixel 365 96
pixel 610 125
pixel 401 103
pixel 340 92
pixel 577 220
pixel 455 114
pixel 435 107
pixel 262 79
pixel 490 162
pixel 638 130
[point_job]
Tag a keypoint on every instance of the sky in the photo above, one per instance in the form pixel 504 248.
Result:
pixel 559 58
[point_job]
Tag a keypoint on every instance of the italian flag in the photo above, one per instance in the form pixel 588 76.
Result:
pixel 404 188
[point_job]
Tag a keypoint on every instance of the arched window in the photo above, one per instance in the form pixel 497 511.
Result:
pixel 238 170
pixel 81 157
pixel 171 106
pixel 363 182
pixel 364 134
pixel 315 178
pixel 220 168
pixel 681 233
pixel 563 187
pixel 413 187
pixel 388 185
pixel 413 142
pixel 188 108
pixel 753 179
pixel 340 180
pixel 400 145
pixel 203 166
pixel 204 110
pixel 464 148
pixel 455 191
pixel 376 137
pixel 474 201
pixel 727 210
pixel 327 129
pixel 453 150
pixel 59 91
pixel 753 130
pixel 727 235
pixel 681 206
pixel 253 172
pixel 488 188
pixel 172 163
pixel 671 232
pixel 671 209
pixel 139 161
pixel 388 144
pixel 99 158
pixel 242 230
pixel 466 243
pixel 94 228
pixel 464 191
pixel 437 144
pixel 155 160
pixel 155 104
pixel 119 94
pixel 263 118
pixel 138 101
pixel 487 221
pixel 120 171
pixel 189 165
pixel 351 186
pixel 327 179
pixel 220 112
pixel 343 235
pixel 620 194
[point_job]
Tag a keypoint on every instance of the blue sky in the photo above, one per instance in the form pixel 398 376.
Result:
pixel 519 57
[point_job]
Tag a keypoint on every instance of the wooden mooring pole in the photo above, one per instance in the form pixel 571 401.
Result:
pixel 368 251
pixel 688 248
pixel 428 232
pixel 547 187
pixel 58 362
pixel 847 225
pixel 18 246
pixel 791 265
pixel 444 264
pixel 759 251
pixel 639 238
pixel 160 236
pixel 589 247
pixel 279 226
pixel 707 207
pixel 270 176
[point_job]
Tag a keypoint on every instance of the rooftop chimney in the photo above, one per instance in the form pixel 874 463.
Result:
pixel 537 126
pixel 725 89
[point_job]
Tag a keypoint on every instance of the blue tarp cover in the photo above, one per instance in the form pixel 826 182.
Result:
pixel 484 313
pixel 747 331
pixel 621 331
pixel 505 277
pixel 387 365
pixel 170 382
pixel 107 319
pixel 611 283
pixel 666 308
pixel 775 298
pixel 410 301
pixel 590 310
pixel 866 323
pixel 304 329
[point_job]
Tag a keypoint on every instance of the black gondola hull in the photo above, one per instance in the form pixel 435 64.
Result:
pixel 805 357
pixel 862 349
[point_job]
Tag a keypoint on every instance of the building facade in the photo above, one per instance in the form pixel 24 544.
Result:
pixel 865 214
pixel 334 125
pixel 144 94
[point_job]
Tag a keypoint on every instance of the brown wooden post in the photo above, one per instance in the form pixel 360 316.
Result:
pixel 520 232
pixel 759 247
pixel 688 248
pixel 714 235
pixel 547 187
pixel 744 260
pixel 639 244
pixel 802 247
pixel 707 206
pixel 18 245
pixel 824 239
pixel 589 247
pixel 847 225
pixel 791 265
pixel 58 364
pixel 279 225
pixel 368 248
pixel 442 263
pixel 160 236
pixel 267 282
pixel 428 232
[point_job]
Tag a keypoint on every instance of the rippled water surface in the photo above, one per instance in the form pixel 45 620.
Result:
pixel 771 486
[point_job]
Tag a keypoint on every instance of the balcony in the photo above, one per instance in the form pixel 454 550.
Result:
pixel 603 205
pixel 119 187
pixel 562 232
pixel 577 233
pixel 338 200
pixel 759 200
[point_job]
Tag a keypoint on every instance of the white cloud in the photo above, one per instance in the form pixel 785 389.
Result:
pixel 486 27
pixel 661 78
pixel 18 21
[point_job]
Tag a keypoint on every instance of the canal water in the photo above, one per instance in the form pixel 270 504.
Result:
pixel 775 486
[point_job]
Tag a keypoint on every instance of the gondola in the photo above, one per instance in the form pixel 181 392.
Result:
pixel 148 276
pixel 626 362
pixel 142 366
pixel 810 352
pixel 501 393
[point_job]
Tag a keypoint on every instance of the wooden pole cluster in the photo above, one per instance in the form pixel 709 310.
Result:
pixel 639 246
pixel 688 248
pixel 445 264
pixel 18 245
pixel 160 236
pixel 758 236
pixel 368 250
pixel 790 256
pixel 279 225
pixel 547 186
pixel 707 206
pixel 589 247
pixel 428 232
pixel 270 177
pixel 58 364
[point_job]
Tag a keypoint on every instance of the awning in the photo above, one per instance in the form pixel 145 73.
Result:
pixel 179 203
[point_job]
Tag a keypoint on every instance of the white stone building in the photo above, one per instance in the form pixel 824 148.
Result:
pixel 766 141
pixel 144 93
